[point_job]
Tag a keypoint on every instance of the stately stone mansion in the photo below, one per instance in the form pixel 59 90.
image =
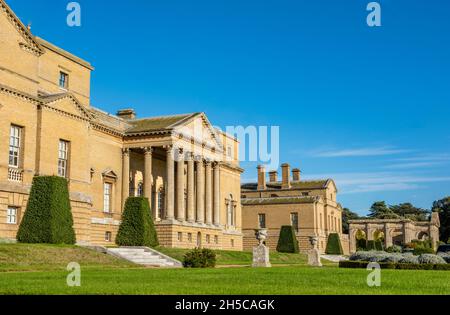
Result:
pixel 309 206
pixel 187 169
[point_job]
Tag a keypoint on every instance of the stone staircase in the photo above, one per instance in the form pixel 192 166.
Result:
pixel 144 256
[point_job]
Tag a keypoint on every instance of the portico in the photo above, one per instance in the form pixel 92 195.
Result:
pixel 182 175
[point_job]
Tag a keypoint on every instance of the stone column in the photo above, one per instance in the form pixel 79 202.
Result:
pixel 208 196
pixel 170 191
pixel 190 189
pixel 216 194
pixel 125 175
pixel 200 191
pixel 181 216
pixel 388 242
pixel 148 179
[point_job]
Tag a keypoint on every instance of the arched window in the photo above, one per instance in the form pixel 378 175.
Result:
pixel 140 189
pixel 161 202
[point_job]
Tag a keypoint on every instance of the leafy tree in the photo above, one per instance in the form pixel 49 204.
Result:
pixel 380 210
pixel 347 215
pixel 408 211
pixel 443 208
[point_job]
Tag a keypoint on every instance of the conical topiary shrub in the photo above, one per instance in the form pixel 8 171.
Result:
pixel 334 246
pixel 48 217
pixel 137 228
pixel 287 242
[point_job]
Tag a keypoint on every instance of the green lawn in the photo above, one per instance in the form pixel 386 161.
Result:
pixel 25 257
pixel 240 258
pixel 40 269
pixel 271 281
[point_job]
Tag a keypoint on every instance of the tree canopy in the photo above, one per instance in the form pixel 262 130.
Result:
pixel 443 208
pixel 347 215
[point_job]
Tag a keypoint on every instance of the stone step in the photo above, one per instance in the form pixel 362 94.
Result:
pixel 144 256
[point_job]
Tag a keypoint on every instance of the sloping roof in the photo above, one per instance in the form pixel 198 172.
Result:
pixel 278 200
pixel 21 28
pixel 304 184
pixel 157 123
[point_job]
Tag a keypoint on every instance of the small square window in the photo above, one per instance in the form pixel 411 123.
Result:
pixel 108 236
pixel 11 215
pixel 63 80
pixel 180 237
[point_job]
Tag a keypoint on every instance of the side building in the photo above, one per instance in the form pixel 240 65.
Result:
pixel 187 169
pixel 309 206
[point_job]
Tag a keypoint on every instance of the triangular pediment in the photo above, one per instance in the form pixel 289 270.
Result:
pixel 109 173
pixel 25 39
pixel 67 103
pixel 199 129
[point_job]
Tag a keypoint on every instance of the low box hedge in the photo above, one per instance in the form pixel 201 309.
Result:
pixel 398 266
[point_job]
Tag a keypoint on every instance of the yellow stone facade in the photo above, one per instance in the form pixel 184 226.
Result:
pixel 189 170
pixel 309 206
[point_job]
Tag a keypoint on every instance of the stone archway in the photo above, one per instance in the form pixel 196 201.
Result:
pixel 423 236
pixel 398 237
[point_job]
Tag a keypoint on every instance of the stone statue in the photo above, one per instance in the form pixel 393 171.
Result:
pixel 261 252
pixel 314 254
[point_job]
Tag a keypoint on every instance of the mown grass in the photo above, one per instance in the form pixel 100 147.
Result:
pixel 26 257
pixel 224 281
pixel 231 258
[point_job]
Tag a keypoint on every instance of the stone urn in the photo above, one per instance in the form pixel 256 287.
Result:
pixel 261 235
pixel 261 256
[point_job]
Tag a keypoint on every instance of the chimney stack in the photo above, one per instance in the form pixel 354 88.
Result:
pixel 286 176
pixel 273 175
pixel 261 178
pixel 128 114
pixel 296 175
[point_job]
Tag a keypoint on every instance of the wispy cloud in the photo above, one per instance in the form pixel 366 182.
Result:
pixel 349 183
pixel 359 152
pixel 420 161
pixel 413 165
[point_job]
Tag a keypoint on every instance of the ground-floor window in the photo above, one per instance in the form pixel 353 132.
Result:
pixel 108 236
pixel 180 237
pixel 216 239
pixel 190 237
pixel 294 220
pixel 11 215
pixel 262 220
pixel 208 238
pixel 232 242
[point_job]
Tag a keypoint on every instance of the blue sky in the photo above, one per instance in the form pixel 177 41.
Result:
pixel 368 107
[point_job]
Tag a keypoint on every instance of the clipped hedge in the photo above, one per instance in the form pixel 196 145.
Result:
pixel 334 246
pixel 137 228
pixel 199 258
pixel 287 242
pixel 48 217
pixel 361 244
pixel 398 266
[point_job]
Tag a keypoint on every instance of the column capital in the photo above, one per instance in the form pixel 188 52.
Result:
pixel 198 158
pixel 148 150
pixel 125 151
